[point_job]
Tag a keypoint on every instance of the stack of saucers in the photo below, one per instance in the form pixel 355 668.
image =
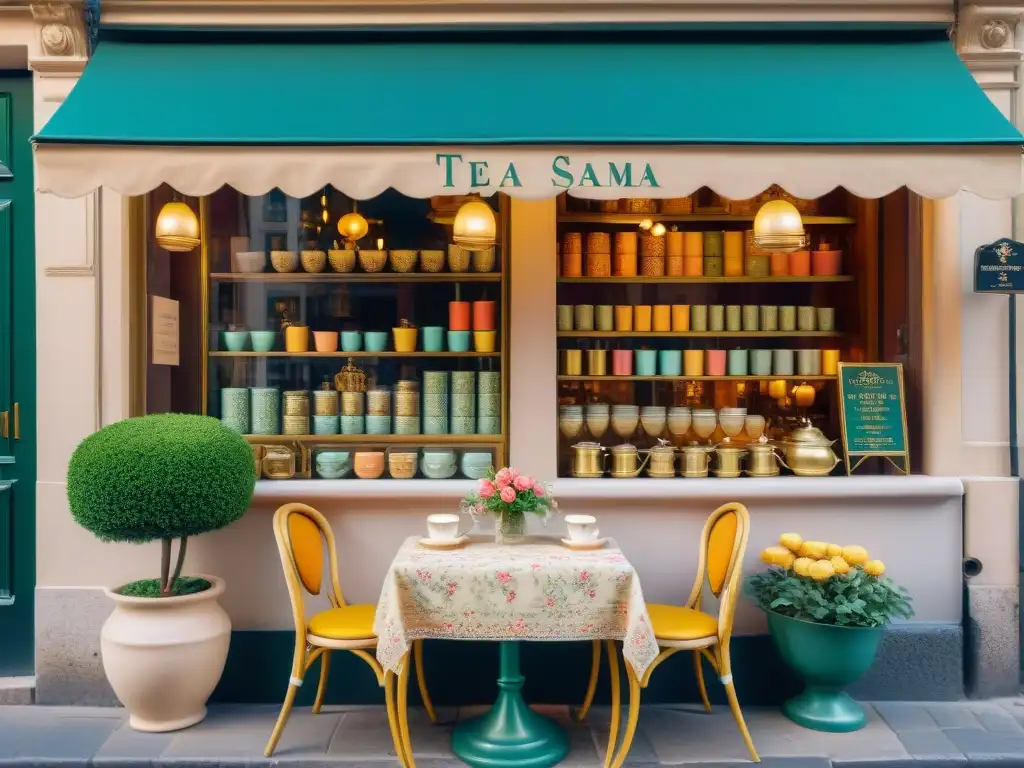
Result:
pixel 234 409
pixel 463 417
pixel 353 413
pixel 378 412
pixel 435 402
pixel 407 407
pixel 570 420
pixel 488 403
pixel 296 412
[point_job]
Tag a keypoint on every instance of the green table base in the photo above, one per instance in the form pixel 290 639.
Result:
pixel 825 709
pixel 511 735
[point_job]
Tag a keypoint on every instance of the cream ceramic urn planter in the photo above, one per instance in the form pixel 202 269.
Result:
pixel 164 656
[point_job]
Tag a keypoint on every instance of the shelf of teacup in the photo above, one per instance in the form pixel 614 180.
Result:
pixel 356 277
pixel 752 377
pixel 364 439
pixel 496 353
pixel 711 280
pixel 697 334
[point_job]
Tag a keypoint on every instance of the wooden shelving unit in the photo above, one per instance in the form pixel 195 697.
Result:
pixel 696 378
pixel 356 277
pixel 573 217
pixel 300 355
pixel 696 334
pixel 703 280
pixel 417 440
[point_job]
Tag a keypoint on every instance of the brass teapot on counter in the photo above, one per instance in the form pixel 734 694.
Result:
pixel 624 461
pixel 807 452
pixel 663 460
pixel 588 460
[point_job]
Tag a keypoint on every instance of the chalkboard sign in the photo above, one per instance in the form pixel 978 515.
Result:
pixel 872 412
pixel 999 267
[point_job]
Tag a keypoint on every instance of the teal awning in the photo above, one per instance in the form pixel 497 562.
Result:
pixel 792 94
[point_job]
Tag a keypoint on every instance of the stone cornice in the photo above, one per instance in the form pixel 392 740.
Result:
pixel 466 12
pixel 989 40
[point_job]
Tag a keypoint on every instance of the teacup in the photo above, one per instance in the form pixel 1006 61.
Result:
pixel 443 527
pixel 581 527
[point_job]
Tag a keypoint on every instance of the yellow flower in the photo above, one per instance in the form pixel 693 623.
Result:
pixel 791 541
pixel 874 567
pixel 839 565
pixel 855 555
pixel 834 550
pixel 802 565
pixel 777 556
pixel 814 549
pixel 821 570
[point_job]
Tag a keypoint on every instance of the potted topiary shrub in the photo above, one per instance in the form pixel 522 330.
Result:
pixel 163 478
pixel 827 607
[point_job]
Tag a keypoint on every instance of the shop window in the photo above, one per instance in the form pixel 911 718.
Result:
pixel 678 333
pixel 343 338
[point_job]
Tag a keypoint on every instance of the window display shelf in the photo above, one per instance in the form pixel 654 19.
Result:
pixel 421 355
pixel 356 277
pixel 750 377
pixel 417 440
pixel 672 218
pixel 696 334
pixel 640 280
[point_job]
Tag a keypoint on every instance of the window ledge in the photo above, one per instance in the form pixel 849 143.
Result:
pixel 637 491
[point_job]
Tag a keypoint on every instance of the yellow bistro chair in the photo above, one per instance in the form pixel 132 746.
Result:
pixel 688 628
pixel 301 534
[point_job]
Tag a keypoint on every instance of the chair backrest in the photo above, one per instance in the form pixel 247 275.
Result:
pixel 302 534
pixel 722 546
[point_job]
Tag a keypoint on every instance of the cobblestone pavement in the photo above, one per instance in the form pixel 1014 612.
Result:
pixel 981 734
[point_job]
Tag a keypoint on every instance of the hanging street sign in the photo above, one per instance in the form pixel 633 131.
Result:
pixel 999 267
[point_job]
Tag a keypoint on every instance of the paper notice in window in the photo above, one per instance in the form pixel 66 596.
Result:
pixel 165 331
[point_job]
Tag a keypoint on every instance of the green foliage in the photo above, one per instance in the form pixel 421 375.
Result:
pixel 186 585
pixel 160 477
pixel 853 599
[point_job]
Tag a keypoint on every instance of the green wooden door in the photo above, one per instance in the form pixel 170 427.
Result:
pixel 17 377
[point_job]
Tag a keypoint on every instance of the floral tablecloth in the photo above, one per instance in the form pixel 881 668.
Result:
pixel 537 590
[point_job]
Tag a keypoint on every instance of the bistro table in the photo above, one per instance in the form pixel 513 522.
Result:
pixel 537 590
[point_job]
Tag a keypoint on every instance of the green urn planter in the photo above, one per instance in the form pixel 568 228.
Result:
pixel 828 658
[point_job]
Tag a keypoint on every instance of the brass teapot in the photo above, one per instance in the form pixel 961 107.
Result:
pixel 808 453
pixel 763 460
pixel 696 460
pixel 624 461
pixel 729 460
pixel 588 460
pixel 663 460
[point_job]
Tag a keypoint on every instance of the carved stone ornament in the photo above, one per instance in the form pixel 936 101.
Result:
pixel 995 33
pixel 61 29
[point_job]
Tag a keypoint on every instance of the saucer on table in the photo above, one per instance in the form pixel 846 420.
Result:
pixel 430 543
pixel 582 545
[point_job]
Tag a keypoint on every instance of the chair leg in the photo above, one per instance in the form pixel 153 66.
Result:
pixel 321 688
pixel 389 702
pixel 403 710
pixel 421 680
pixel 698 668
pixel 282 719
pixel 595 668
pixel 633 716
pixel 725 672
pixel 613 729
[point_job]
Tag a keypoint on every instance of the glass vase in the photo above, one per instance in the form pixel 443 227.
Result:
pixel 510 528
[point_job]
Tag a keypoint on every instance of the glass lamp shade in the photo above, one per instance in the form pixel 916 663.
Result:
pixel 474 228
pixel 177 228
pixel 658 229
pixel 779 228
pixel 352 226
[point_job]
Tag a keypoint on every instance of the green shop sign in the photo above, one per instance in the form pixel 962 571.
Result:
pixel 872 413
pixel 999 267
pixel 562 172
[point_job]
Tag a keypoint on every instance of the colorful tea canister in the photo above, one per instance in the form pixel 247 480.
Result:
pixel 779 263
pixel 800 263
pixel 699 317
pixel 782 362
pixel 738 362
pixel 661 318
pixel 733 318
pixel 750 317
pixel 483 316
pixel 693 362
pixel 458 315
pixel 623 318
pixel 693 266
pixel 733 247
pixel 675 266
pixel 716 317
pixel 787 318
pixel 652 266
pixel 642 317
pixel 670 362
pixel 572 264
pixel 760 362
pixel 604 317
pixel 757 265
pixel 234 409
pixel 599 264
pixel 714 266
pixel 830 362
pixel 680 317
pixel 769 317
pixel 808 362
pixel 622 362
pixel 806 318
pixel 716 362
pixel 565 317
pixel 693 244
pixel 597 362
pixel 826 319
pixel 646 362
pixel 674 244
pixel 572 362
pixel 713 244
pixel 584 317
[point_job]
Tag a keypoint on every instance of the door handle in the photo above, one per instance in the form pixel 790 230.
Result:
pixel 5 421
pixel 17 422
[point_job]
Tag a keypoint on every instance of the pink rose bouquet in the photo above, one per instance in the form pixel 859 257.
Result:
pixel 509 496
